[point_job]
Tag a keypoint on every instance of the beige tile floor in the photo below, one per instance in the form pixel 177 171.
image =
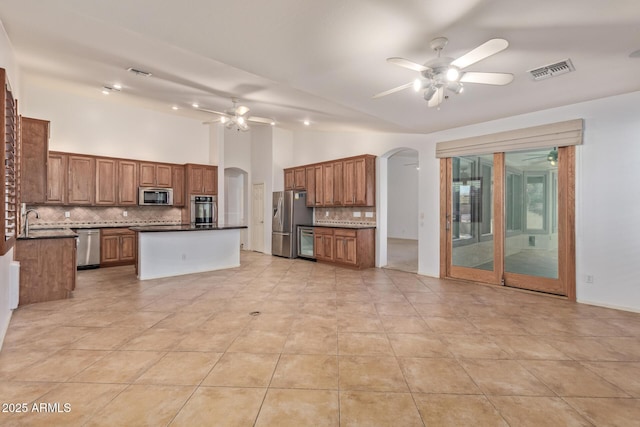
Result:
pixel 330 347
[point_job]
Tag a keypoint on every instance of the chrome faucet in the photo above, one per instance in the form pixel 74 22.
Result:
pixel 26 220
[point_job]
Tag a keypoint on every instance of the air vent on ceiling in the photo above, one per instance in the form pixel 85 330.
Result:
pixel 139 72
pixel 552 70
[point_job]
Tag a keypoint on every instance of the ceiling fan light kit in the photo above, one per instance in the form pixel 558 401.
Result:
pixel 236 117
pixel 443 73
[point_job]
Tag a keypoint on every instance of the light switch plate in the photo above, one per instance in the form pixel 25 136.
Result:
pixel 67 214
pixel 357 214
pixel 368 214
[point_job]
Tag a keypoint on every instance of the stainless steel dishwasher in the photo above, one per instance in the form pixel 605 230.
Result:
pixel 88 248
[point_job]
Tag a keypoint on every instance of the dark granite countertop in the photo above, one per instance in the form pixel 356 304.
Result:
pixel 48 233
pixel 349 226
pixel 184 227
pixel 99 225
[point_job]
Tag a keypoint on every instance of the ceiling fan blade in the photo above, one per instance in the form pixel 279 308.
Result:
pixel 483 51
pixel 437 97
pixel 260 120
pixel 214 112
pixel 407 64
pixel 497 79
pixel 241 110
pixel 395 89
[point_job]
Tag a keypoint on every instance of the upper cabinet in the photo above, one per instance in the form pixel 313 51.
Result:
pixel 295 178
pixel 82 171
pixel 177 179
pixel 342 182
pixel 106 182
pixel 57 172
pixel 127 182
pixel 155 175
pixel 35 146
pixel 202 179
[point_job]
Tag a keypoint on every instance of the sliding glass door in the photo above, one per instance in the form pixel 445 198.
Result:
pixel 507 222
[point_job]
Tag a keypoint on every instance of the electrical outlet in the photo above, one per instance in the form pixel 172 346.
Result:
pixel 368 214
pixel 67 214
pixel 357 214
pixel 326 213
pixel 184 257
pixel 125 213
pixel 589 278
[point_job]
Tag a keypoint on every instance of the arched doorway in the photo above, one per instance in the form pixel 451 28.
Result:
pixel 398 234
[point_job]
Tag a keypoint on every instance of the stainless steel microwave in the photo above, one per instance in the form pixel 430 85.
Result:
pixel 148 196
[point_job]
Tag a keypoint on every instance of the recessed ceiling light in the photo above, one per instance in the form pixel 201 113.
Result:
pixel 117 86
pixel 195 105
pixel 306 122
pixel 174 107
pixel 272 123
pixel 105 91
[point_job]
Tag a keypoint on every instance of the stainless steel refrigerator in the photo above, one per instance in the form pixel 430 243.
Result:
pixel 289 211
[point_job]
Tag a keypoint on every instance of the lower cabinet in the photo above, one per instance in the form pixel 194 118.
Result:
pixel 345 246
pixel 47 269
pixel 118 246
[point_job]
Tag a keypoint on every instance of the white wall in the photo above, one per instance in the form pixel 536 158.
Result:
pixel 402 196
pixel 262 172
pixel 107 126
pixel 282 156
pixel 607 202
pixel 8 62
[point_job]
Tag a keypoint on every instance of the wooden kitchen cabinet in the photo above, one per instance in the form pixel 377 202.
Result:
pixel 327 184
pixel 127 183
pixel 177 180
pixel 35 148
pixel 360 181
pixel 310 177
pixel 47 269
pixel 295 179
pixel 106 181
pixel 345 246
pixel 81 183
pixel 323 246
pixel 57 178
pixel 118 246
pixel 155 175
pixel 332 184
pixel 202 179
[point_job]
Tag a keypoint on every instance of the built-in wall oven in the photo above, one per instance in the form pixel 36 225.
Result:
pixel 204 210
pixel 305 242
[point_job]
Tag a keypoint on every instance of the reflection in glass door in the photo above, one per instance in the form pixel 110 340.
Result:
pixel 509 219
pixel 472 217
pixel 531 245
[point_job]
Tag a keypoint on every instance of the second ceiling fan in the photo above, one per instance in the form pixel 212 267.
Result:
pixel 236 117
pixel 443 73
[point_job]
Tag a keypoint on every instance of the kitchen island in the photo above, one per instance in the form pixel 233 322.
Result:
pixel 174 250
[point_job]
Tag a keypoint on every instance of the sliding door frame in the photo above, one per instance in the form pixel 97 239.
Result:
pixel 565 284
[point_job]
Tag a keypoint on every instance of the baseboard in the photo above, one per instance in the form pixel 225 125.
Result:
pixel 4 327
pixel 612 306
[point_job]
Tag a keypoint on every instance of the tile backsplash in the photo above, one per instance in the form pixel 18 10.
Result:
pixel 345 216
pixel 54 216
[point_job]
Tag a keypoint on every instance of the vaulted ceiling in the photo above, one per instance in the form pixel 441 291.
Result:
pixel 322 61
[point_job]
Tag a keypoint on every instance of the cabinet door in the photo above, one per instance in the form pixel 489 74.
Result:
pixel 128 247
pixel 349 176
pixel 319 184
pixel 81 185
pixel 327 242
pixel 310 173
pixel 299 179
pixel 163 176
pixel 210 180
pixel 327 184
pixel 109 249
pixel 362 183
pixel 127 182
pixel 177 182
pixel 147 175
pixel 35 146
pixel 106 184
pixel 346 246
pixel 57 178
pixel 318 246
pixel 289 183
pixel 338 186
pixel 196 179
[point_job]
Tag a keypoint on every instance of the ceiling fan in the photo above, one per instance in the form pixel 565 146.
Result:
pixel 551 157
pixel 236 117
pixel 443 73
